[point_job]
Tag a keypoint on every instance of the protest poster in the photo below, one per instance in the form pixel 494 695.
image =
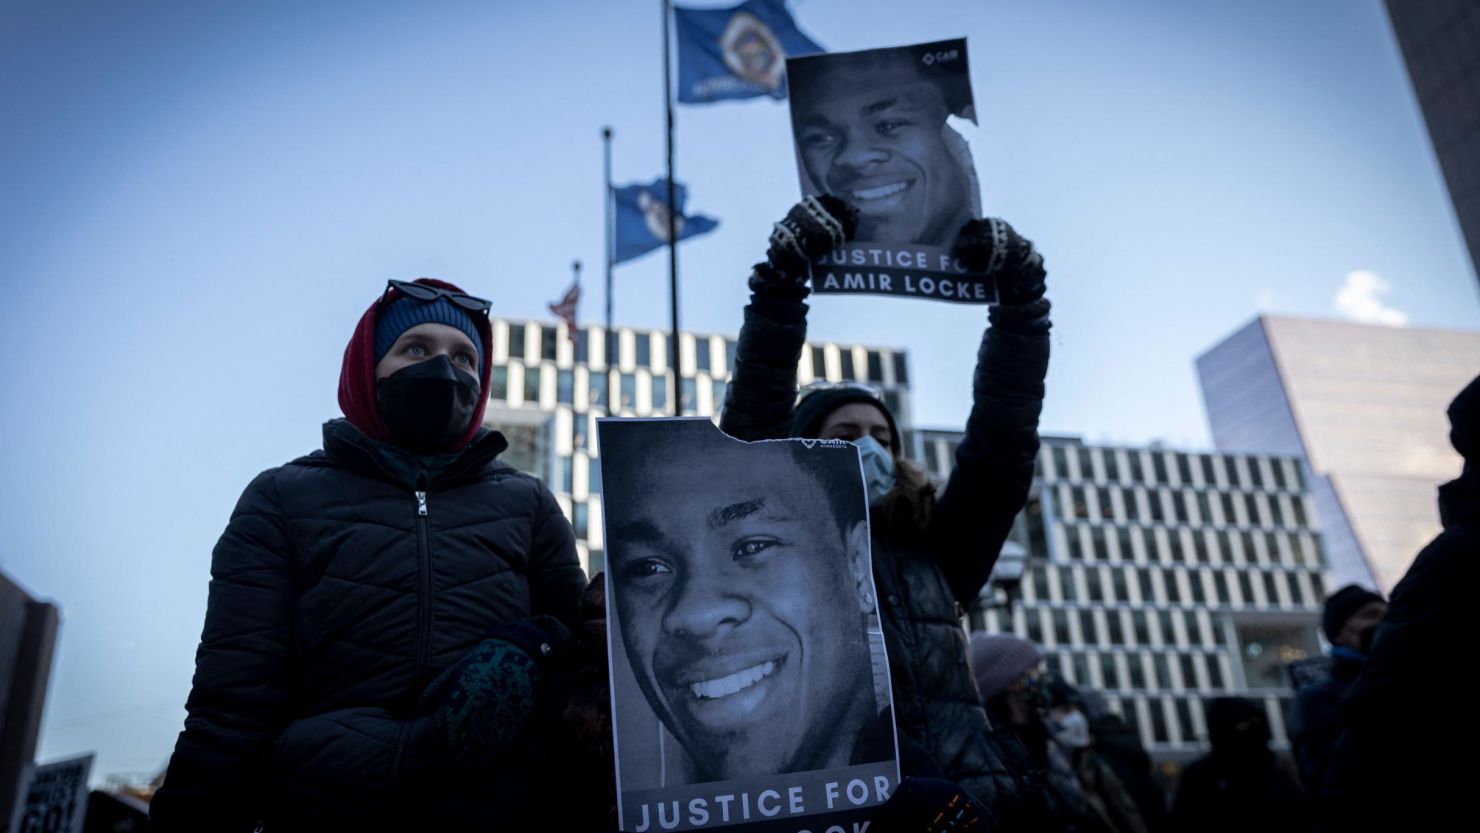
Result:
pixel 873 128
pixel 750 687
pixel 55 797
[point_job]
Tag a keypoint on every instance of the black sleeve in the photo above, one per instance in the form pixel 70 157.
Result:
pixel 239 700
pixel 763 385
pixel 555 575
pixel 994 463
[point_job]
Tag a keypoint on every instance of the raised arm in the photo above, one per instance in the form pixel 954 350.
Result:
pixel 994 463
pixel 763 387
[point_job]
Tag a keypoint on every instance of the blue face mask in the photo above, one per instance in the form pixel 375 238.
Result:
pixel 878 468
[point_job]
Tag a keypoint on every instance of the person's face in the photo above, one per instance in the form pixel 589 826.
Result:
pixel 740 606
pixel 428 341
pixel 877 140
pixel 855 421
pixel 1357 625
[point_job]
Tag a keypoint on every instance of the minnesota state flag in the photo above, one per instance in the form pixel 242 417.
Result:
pixel 737 52
pixel 642 218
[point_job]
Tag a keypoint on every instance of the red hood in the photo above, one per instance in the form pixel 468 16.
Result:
pixel 357 374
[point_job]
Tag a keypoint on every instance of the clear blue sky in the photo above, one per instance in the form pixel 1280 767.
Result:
pixel 197 201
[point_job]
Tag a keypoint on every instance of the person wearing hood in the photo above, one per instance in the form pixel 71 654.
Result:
pixel 1399 758
pixel 1239 785
pixel 931 553
pixel 1349 622
pixel 382 612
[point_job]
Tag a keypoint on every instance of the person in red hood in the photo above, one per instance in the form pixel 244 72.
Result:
pixel 383 613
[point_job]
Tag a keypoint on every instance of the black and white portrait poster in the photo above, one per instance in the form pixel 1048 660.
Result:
pixel 874 129
pixel 749 683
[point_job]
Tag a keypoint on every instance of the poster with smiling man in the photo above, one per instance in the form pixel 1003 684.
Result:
pixel 749 683
pixel 874 129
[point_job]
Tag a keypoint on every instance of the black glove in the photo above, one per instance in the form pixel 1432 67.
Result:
pixel 991 247
pixel 812 228
pixel 930 805
pixel 482 702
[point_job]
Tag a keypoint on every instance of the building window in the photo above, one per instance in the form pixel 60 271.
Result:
pixel 1034 626
pixel 532 385
pixel 1158 720
pixel 1108 672
pixel 1087 628
pixel 1158 510
pixel 660 393
pixel 1180 502
pixel 1174 543
pixel 717 390
pixel 593 476
pixel 1255 475
pixel 845 356
pixel 901 372
pixel 1168 629
pixel 567 472
pixel 582 351
pixel 1163 671
pixel 1194 583
pixel 1075 550
pixel 1184 469
pixel 1297 505
pixel 1252 508
pixel 701 355
pixel 565 382
pixel 730 348
pixel 819 363
pixel 1200 548
pixel 578 426
pixel 516 341
pixel 1107 505
pixel 1112 464
pixel 1148 592
pixel 580 517
pixel 688 397
pixel 1132 504
pixel 644 342
pixel 1061 627
pixel 1138 673
pixel 1246 588
pixel 1224 589
pixel 498 382
pixel 1159 466
pixel 1174 592
pixel 1276 511
pixel 1127 551
pixel 1207 470
pixel 1205 509
pixel 1116 627
pixel 1271 591
pixel 1081 501
pixel 1066 584
pixel 1086 468
pixel 595 562
pixel 547 343
pixel 875 366
pixel 629 392
pixel 1184 718
pixel 1092 582
pixel 596 393
pixel 1138 475
pixel 1143 633
pixel 1215 673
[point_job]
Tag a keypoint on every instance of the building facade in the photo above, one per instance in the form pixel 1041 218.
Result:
pixel 1440 40
pixel 1163 579
pixel 1363 407
pixel 547 390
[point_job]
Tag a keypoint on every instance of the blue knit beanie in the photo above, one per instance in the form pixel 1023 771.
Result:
pixel 405 313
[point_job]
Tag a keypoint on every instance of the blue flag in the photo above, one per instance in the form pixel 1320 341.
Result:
pixel 642 219
pixel 739 52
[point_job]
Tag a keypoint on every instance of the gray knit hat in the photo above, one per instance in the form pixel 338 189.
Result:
pixel 998 659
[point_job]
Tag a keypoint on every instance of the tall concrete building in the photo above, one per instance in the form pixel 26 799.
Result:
pixel 1362 406
pixel 1440 40
pixel 547 391
pixel 1163 579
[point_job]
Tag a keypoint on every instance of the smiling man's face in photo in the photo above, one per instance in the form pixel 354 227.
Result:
pixel 738 598
pixel 876 138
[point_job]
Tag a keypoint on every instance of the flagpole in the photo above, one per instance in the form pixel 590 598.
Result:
pixel 672 215
pixel 606 145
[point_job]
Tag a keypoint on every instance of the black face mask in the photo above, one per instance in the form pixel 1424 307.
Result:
pixel 428 406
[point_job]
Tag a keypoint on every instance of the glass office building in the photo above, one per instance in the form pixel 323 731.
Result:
pixel 1163 578
pixel 1363 407
pixel 547 391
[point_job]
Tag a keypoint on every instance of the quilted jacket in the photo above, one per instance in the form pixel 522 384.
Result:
pixel 923 584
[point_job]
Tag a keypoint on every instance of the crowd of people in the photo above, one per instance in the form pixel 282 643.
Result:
pixel 399 634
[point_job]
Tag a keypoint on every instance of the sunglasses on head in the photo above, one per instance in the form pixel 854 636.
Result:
pixel 422 292
pixel 822 384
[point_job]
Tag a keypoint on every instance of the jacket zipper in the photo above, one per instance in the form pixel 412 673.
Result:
pixel 424 584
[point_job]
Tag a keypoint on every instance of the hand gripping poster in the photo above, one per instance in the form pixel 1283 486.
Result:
pixel 874 129
pixel 750 689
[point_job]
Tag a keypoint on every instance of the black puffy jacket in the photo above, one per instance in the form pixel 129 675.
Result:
pixel 345 581
pixel 923 584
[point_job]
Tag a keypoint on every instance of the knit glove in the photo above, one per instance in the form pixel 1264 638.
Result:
pixel 482 702
pixel 931 805
pixel 993 248
pixel 812 228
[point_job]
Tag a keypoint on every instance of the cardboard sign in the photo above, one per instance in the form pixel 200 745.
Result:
pixel 56 798
pixel 873 128
pixel 749 682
